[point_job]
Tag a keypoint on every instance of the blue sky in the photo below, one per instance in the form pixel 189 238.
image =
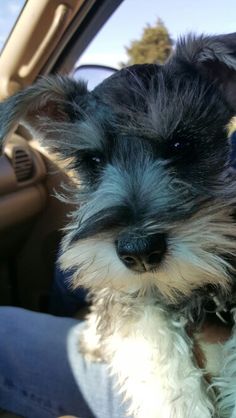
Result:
pixel 9 10
pixel 180 16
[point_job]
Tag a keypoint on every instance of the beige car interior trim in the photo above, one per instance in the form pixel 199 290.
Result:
pixel 59 23
pixel 32 218
pixel 8 182
pixel 31 43
pixel 21 200
pixel 21 205
pixel 77 21
pixel 39 172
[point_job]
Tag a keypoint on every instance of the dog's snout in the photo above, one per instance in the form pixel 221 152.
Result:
pixel 141 253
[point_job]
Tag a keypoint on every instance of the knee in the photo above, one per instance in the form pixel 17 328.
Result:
pixel 9 315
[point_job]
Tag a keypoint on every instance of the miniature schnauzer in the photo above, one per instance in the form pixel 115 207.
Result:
pixel 153 237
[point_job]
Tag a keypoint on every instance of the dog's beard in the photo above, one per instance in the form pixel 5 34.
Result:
pixel 197 254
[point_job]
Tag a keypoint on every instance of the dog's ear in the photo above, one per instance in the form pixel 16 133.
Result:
pixel 51 99
pixel 215 58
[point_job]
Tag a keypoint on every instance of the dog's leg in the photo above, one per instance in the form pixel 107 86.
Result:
pixel 152 357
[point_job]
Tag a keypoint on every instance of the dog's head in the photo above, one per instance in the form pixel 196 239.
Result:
pixel 157 195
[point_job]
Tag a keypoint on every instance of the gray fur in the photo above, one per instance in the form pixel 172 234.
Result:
pixel 150 154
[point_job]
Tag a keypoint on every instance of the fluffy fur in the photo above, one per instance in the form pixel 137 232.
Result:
pixel 151 156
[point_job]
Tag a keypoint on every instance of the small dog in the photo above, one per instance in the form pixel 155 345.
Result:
pixel 153 237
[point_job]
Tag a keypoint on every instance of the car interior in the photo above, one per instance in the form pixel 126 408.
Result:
pixel 31 217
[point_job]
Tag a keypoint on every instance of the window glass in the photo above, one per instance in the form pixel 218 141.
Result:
pixel 179 17
pixel 9 13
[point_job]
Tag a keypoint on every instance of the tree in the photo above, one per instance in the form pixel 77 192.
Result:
pixel 154 46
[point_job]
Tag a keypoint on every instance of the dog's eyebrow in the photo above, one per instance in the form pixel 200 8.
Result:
pixel 80 135
pixel 105 219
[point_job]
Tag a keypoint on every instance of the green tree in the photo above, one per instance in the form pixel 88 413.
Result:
pixel 154 46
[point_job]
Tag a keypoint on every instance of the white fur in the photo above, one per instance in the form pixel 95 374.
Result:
pixel 151 357
pixel 148 350
pixel 191 260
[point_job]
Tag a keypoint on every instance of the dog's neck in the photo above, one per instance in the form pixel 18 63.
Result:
pixel 204 304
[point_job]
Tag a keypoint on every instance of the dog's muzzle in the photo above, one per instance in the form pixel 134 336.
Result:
pixel 141 254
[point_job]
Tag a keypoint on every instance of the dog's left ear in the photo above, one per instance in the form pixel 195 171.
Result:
pixel 215 58
pixel 51 99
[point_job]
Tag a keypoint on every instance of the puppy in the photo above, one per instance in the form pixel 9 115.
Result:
pixel 153 235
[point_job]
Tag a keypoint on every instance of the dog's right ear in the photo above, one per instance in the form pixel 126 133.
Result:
pixel 51 99
pixel 214 57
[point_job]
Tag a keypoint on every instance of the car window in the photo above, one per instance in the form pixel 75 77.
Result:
pixel 132 16
pixel 10 11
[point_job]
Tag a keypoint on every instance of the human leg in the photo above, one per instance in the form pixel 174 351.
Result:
pixel 36 380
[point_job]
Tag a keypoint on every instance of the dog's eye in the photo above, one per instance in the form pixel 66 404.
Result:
pixel 180 145
pixel 177 149
pixel 96 160
pixel 92 162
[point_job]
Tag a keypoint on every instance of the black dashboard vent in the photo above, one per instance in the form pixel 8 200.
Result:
pixel 22 164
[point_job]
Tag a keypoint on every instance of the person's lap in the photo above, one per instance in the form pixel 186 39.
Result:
pixel 36 380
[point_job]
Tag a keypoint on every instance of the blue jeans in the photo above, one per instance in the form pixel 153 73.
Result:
pixel 36 380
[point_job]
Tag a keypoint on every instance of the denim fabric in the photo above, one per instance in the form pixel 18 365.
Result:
pixel 36 380
pixel 64 301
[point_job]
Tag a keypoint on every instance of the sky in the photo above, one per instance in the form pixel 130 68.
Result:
pixel 9 10
pixel 179 16
pixel 127 23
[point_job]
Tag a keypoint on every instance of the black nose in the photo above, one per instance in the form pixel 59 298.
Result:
pixel 141 253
